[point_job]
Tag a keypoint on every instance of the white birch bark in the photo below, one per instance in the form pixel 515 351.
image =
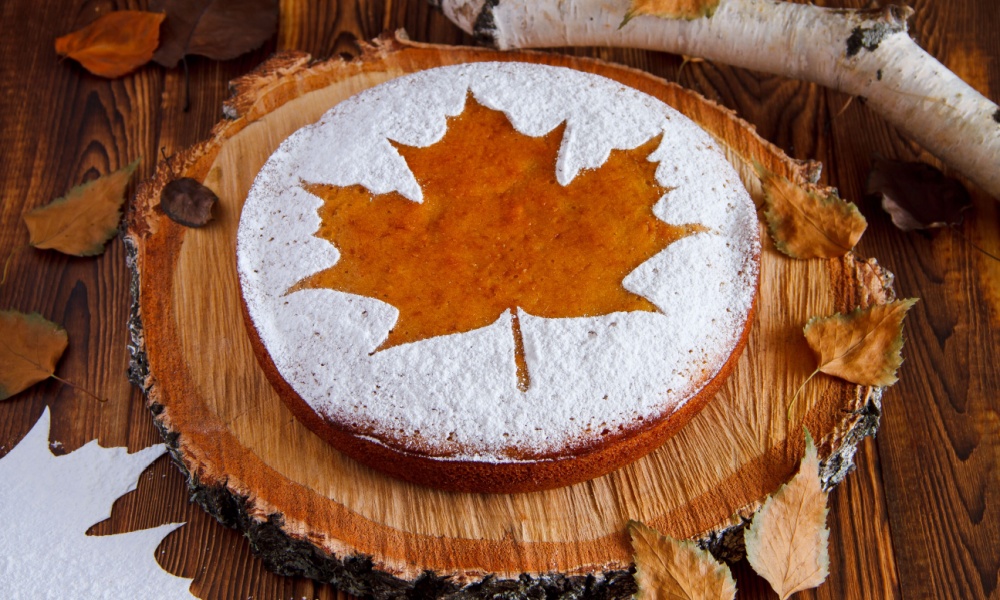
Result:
pixel 865 53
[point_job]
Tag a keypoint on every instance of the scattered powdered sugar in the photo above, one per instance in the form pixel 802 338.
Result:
pixel 49 503
pixel 457 394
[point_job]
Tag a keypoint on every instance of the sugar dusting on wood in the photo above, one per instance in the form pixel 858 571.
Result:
pixel 50 502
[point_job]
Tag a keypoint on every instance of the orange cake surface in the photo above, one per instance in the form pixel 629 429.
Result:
pixel 497 276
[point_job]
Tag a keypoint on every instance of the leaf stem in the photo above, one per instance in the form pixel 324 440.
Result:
pixel 6 264
pixel 844 108
pixel 799 391
pixel 77 387
pixel 187 85
pixel 38 366
pixel 969 242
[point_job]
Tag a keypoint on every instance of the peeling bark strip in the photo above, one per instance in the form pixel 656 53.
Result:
pixel 860 52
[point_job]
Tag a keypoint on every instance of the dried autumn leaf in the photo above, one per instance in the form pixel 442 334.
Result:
pixel 917 195
pixel 862 346
pixel 787 541
pixel 30 347
pixel 83 220
pixel 188 202
pixel 487 241
pixel 676 569
pixel 671 9
pixel 806 224
pixel 115 44
pixel 218 29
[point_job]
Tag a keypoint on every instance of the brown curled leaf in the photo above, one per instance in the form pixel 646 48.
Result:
pixel 809 224
pixel 787 541
pixel 115 44
pixel 82 221
pixel 30 347
pixel 917 195
pixel 188 202
pixel 218 29
pixel 676 569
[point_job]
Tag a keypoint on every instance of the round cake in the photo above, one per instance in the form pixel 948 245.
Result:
pixel 498 277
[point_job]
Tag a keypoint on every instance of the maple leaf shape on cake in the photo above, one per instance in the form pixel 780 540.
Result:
pixel 495 233
pixel 49 502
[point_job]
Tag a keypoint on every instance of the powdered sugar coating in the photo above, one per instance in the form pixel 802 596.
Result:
pixel 456 395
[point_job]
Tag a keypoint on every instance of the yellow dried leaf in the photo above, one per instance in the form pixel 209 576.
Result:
pixel 787 539
pixel 862 346
pixel 30 347
pixel 675 569
pixel 82 221
pixel 115 44
pixel 807 224
pixel 671 9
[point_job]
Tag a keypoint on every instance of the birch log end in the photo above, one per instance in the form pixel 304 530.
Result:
pixel 310 511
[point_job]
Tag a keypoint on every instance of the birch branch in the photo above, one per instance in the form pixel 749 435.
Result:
pixel 865 53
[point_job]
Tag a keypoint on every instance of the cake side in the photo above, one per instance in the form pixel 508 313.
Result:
pixel 599 457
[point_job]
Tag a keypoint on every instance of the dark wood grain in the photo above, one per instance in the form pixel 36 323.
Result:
pixel 919 519
pixel 938 444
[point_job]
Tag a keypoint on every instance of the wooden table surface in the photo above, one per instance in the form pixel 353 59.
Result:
pixel 919 518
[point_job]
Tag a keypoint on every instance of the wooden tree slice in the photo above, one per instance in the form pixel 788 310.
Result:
pixel 310 511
